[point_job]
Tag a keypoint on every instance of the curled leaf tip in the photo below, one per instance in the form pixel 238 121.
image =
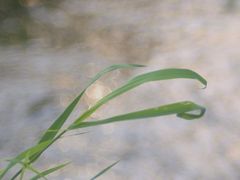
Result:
pixel 205 86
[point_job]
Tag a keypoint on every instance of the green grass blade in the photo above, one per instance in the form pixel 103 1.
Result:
pixel 53 130
pixel 29 167
pixel 76 134
pixel 181 109
pixel 104 170
pixel 29 152
pixel 49 171
pixel 22 175
pixel 164 74
pixel 56 126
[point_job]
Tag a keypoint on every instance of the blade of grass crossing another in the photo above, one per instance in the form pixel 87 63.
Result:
pixel 29 152
pixel 56 126
pixel 22 175
pixel 164 74
pixel 53 130
pixel 104 171
pixel 29 167
pixel 49 171
pixel 181 109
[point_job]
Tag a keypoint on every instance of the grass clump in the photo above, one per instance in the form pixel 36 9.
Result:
pixel 183 110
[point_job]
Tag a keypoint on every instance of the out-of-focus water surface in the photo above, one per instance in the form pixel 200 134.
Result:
pixel 50 49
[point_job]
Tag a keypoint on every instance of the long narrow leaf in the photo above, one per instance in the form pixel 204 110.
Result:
pixel 58 123
pixel 181 109
pixel 55 127
pixel 104 170
pixel 164 74
pixel 29 152
pixel 49 171
pixel 29 167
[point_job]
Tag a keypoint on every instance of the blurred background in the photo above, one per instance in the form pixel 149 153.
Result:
pixel 49 49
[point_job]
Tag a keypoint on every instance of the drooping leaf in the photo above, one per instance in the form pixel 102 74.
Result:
pixel 164 74
pixel 181 109
pixel 104 170
pixel 54 132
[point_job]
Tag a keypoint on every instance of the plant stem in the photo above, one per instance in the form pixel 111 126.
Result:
pixel 38 155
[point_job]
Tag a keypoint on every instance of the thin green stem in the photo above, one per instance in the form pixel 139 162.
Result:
pixel 38 155
pixel 22 174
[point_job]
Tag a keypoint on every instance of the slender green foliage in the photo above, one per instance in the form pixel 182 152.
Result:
pixel 49 171
pixel 186 110
pixel 180 109
pixel 104 170
pixel 29 152
pixel 29 167
pixel 55 127
pixel 164 74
